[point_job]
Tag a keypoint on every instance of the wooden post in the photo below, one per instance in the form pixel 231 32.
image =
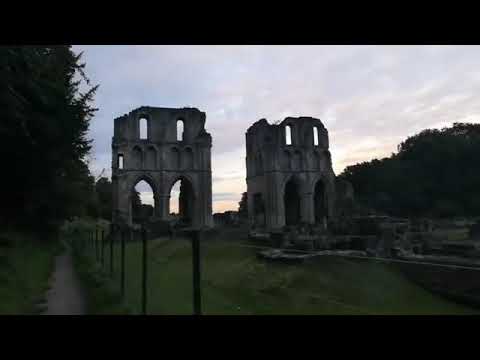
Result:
pixel 96 244
pixel 197 300
pixel 122 268
pixel 144 271
pixel 111 252
pixel 102 254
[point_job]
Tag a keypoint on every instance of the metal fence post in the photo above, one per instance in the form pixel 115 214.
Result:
pixel 144 271
pixel 102 254
pixel 111 251
pixel 197 301
pixel 96 243
pixel 122 267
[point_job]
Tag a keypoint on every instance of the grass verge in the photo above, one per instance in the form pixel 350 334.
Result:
pixel 25 269
pixel 101 298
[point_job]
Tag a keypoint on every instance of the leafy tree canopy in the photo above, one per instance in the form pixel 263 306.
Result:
pixel 45 118
pixel 242 206
pixel 434 173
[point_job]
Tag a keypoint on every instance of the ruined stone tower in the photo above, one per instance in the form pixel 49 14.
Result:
pixel 175 147
pixel 290 179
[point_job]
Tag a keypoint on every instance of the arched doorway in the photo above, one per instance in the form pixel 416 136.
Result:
pixel 142 202
pixel 291 202
pixel 182 202
pixel 320 202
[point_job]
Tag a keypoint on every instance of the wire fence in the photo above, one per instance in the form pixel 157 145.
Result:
pixel 149 274
pixel 109 251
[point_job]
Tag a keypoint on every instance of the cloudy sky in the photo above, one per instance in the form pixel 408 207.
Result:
pixel 370 98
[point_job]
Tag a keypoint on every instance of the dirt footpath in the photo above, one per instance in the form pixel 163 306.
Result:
pixel 65 296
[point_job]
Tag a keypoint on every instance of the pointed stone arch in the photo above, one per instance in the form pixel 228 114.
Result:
pixel 292 201
pixel 320 204
pixel 147 178
pixel 187 200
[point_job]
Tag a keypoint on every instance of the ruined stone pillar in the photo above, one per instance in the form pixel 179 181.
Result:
pixel 307 207
pixel 278 217
pixel 121 200
pixel 203 206
pixel 156 208
pixel 163 206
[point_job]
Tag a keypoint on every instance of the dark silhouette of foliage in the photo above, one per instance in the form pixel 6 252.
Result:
pixel 44 121
pixel 242 207
pixel 434 173
pixel 103 189
pixel 140 212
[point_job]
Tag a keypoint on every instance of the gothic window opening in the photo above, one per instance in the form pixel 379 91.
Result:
pixel 180 128
pixel 143 125
pixel 288 135
pixel 120 161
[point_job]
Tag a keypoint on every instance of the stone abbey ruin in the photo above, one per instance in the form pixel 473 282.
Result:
pixel 294 199
pixel 175 147
pixel 290 179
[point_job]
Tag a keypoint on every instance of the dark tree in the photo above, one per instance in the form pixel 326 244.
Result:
pixel 140 212
pixel 243 207
pixel 103 189
pixel 434 173
pixel 44 121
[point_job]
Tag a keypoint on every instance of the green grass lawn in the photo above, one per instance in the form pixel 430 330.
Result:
pixel 234 281
pixel 25 269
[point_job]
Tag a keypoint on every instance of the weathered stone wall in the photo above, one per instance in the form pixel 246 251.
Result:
pixel 161 160
pixel 272 164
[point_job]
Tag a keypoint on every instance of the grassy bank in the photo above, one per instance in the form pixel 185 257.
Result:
pixel 25 269
pixel 101 298
pixel 235 281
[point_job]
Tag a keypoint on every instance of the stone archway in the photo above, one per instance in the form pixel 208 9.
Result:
pixel 292 203
pixel 320 208
pixel 138 213
pixel 185 215
pixel 167 152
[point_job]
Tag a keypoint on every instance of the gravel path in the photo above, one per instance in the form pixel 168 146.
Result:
pixel 65 296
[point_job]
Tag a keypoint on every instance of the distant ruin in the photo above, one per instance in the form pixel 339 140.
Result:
pixel 290 179
pixel 174 146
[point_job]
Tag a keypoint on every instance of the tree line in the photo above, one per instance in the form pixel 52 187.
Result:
pixel 434 173
pixel 46 104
